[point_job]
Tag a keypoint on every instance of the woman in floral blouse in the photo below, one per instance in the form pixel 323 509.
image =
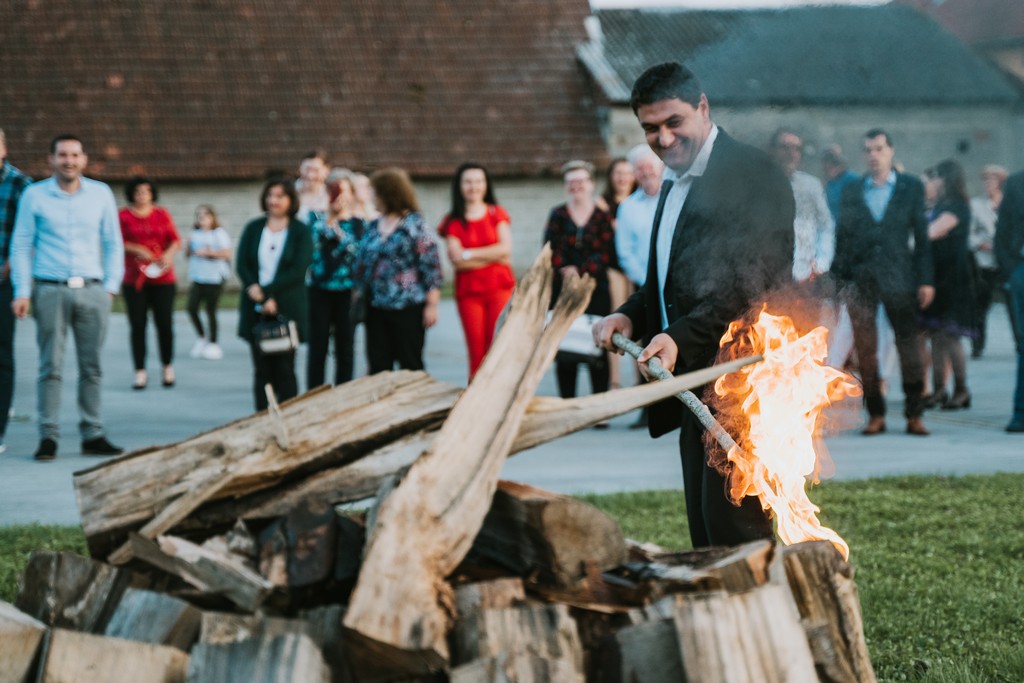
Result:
pixel 582 242
pixel 336 236
pixel 400 271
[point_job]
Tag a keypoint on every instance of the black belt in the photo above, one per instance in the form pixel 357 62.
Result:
pixel 74 283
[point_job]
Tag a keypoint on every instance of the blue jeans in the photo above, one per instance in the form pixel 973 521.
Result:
pixel 1016 304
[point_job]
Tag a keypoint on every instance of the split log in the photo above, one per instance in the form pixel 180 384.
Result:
pixel 400 607
pixel 538 533
pixel 288 657
pixel 518 667
pixel 547 418
pixel 20 636
pixel 149 617
pixel 207 571
pixel 330 427
pixel 65 590
pixel 750 637
pixel 71 656
pixel 647 652
pixel 826 596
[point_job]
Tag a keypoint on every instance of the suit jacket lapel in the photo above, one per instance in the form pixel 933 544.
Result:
pixel 897 196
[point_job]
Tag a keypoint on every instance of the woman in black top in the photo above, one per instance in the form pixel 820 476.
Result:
pixel 951 314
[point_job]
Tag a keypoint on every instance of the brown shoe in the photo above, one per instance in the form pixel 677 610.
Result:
pixel 915 426
pixel 876 425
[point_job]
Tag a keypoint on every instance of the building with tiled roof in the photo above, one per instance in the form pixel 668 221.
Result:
pixel 830 72
pixel 207 96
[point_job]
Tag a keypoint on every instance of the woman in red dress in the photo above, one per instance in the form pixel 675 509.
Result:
pixel 479 239
pixel 150 243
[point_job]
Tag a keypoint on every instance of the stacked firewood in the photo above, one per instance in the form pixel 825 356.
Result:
pixel 232 557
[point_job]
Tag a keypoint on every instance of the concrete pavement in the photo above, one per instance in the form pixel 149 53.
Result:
pixel 211 393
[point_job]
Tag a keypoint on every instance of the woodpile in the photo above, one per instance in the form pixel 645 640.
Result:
pixel 229 557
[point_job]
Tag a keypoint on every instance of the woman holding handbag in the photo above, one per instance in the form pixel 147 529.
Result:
pixel 273 255
pixel 582 243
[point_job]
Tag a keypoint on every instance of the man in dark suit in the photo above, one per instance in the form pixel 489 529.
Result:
pixel 874 262
pixel 722 238
pixel 1009 249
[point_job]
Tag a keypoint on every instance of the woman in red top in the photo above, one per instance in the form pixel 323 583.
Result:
pixel 150 243
pixel 479 242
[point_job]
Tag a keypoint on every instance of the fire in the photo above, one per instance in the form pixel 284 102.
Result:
pixel 776 408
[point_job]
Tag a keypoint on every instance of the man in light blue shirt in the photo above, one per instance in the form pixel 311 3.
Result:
pixel 635 217
pixel 67 262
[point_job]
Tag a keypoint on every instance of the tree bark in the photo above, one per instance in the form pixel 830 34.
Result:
pixel 149 617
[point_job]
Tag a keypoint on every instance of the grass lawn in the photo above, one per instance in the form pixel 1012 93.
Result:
pixel 938 560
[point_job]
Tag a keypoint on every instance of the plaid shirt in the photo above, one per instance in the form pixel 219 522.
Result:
pixel 12 183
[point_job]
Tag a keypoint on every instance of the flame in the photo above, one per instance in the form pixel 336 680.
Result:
pixel 776 408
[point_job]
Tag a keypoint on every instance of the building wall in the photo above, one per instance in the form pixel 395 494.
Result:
pixel 527 201
pixel 922 136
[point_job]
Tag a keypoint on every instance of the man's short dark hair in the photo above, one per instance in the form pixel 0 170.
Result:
pixel 289 189
pixel 777 135
pixel 878 132
pixel 137 181
pixel 64 137
pixel 667 81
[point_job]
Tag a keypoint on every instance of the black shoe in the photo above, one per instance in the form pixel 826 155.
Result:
pixel 960 399
pixel 934 400
pixel 100 446
pixel 1016 424
pixel 47 450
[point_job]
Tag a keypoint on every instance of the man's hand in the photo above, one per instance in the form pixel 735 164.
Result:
pixel 20 307
pixel 269 307
pixel 255 292
pixel 662 347
pixel 566 271
pixel 429 315
pixel 925 296
pixel 604 328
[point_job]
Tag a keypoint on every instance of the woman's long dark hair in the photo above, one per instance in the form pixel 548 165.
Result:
pixel 954 184
pixel 458 201
pixel 609 190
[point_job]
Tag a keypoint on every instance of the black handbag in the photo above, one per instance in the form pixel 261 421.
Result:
pixel 275 334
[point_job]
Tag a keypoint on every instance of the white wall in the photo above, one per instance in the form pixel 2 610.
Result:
pixel 528 202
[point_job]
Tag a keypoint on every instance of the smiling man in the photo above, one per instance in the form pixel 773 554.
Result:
pixel 67 261
pixel 722 238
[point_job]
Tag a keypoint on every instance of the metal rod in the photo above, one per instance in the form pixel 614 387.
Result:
pixel 688 398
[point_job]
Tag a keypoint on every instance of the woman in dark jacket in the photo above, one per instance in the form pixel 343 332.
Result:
pixel 273 255
pixel 951 314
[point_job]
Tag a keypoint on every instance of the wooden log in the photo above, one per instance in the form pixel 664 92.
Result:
pixel 65 590
pixel 207 571
pixel 288 657
pixel 149 617
pixel 749 637
pixel 647 652
pixel 329 427
pixel 71 657
pixel 533 532
pixel 547 418
pixel 545 631
pixel 20 636
pixel 826 596
pixel 518 667
pixel 427 524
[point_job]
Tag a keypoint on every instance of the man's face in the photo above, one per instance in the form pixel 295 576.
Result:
pixel 648 174
pixel 69 160
pixel 675 130
pixel 3 150
pixel 878 155
pixel 788 150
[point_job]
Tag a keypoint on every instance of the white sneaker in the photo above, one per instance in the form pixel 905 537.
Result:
pixel 197 349
pixel 212 352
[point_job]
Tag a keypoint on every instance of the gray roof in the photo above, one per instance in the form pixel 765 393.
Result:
pixel 885 54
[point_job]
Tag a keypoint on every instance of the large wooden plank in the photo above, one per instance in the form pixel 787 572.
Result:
pixel 826 595
pixel 427 523
pixel 65 590
pixel 150 617
pixel 279 659
pixel 20 636
pixel 329 427
pixel 78 657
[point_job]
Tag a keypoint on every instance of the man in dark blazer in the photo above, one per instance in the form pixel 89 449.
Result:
pixel 1009 249
pixel 879 217
pixel 722 238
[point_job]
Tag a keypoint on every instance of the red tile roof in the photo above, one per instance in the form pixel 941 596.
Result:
pixel 977 22
pixel 225 89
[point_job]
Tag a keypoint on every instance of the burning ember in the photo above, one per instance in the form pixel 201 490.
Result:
pixel 776 408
